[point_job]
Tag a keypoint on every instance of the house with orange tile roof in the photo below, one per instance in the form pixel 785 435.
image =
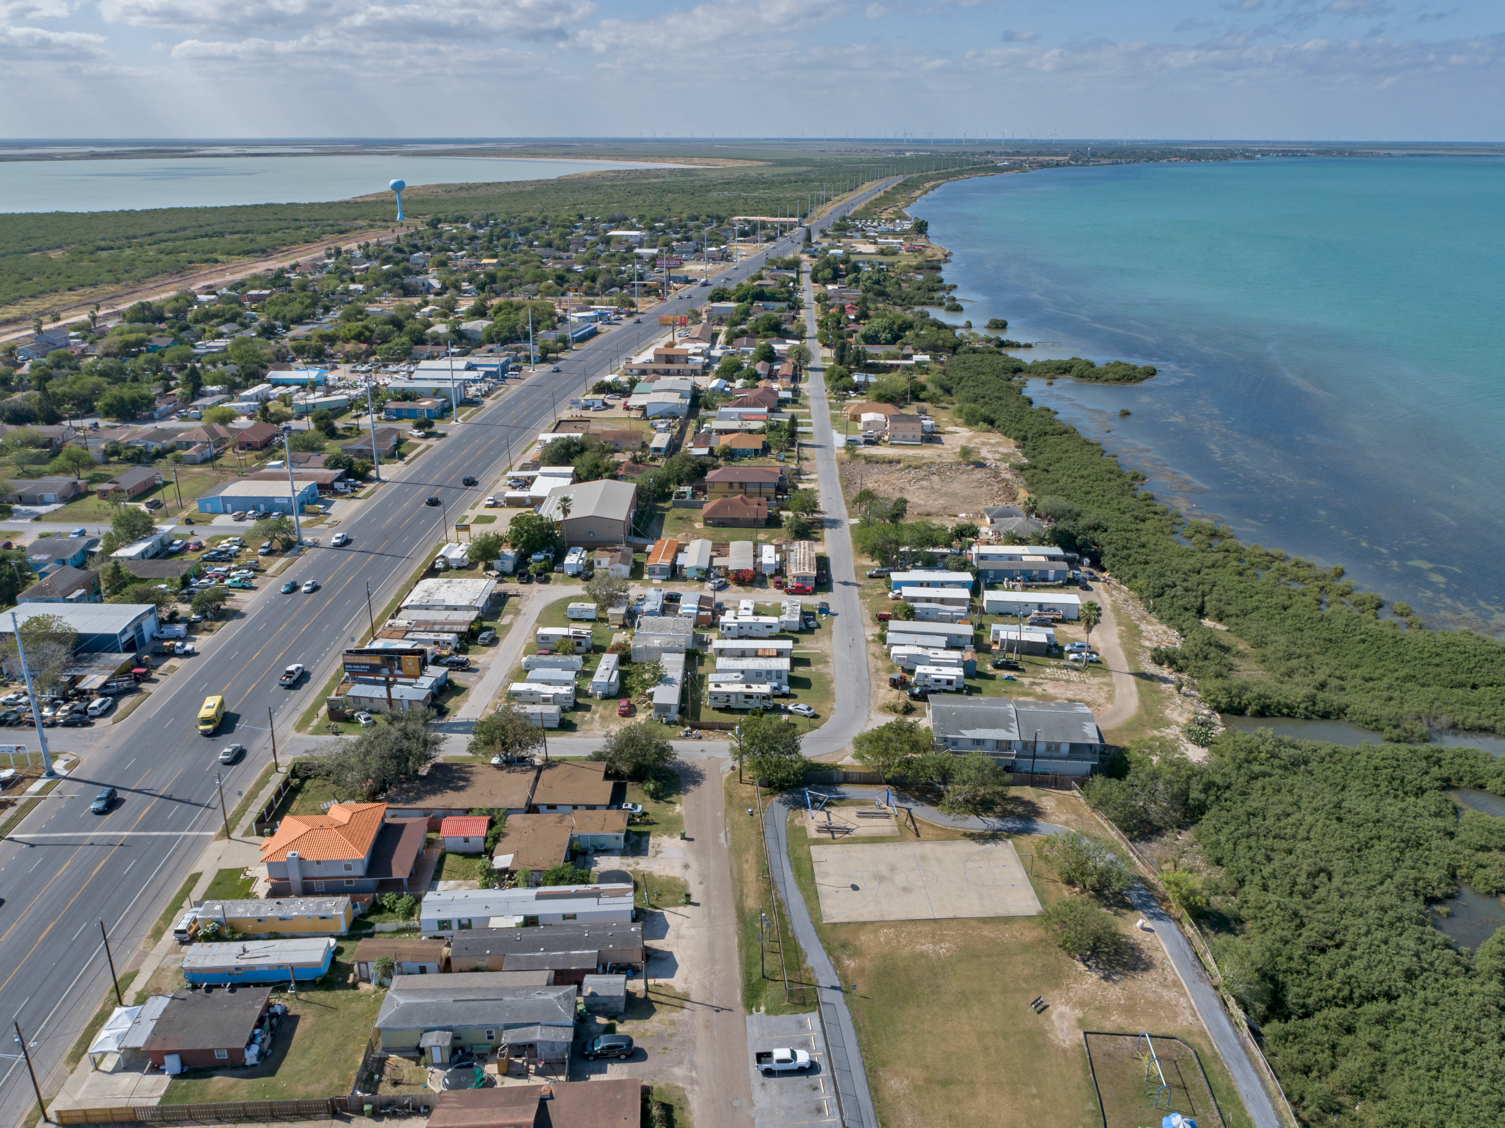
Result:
pixel 352 849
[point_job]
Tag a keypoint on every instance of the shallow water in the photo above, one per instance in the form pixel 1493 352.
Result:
pixel 1328 335
pixel 125 183
pixel 1341 732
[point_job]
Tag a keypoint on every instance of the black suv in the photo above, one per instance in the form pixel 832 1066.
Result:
pixel 608 1045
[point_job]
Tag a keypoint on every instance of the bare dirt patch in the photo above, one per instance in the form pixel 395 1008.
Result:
pixel 936 484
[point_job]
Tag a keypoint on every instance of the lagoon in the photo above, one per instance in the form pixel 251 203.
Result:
pixel 258 177
pixel 1328 336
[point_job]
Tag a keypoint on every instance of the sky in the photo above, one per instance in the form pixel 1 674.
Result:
pixel 1361 70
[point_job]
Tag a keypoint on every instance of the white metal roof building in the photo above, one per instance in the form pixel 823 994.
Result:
pixel 667 694
pixel 114 627
pixel 449 595
pixel 1015 602
pixel 930 579
pixel 774 670
pixel 444 913
pixel 1040 736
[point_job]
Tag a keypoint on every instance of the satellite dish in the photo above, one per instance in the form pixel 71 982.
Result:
pixel 397 186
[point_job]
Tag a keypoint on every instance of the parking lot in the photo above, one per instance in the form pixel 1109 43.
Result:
pixel 791 1099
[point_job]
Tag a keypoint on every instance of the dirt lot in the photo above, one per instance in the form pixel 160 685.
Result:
pixel 936 484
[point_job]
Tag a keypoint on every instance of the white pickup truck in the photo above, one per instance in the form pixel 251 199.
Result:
pixel 781 1061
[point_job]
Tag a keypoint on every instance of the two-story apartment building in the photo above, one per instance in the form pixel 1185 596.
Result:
pixel 1024 736
pixel 749 481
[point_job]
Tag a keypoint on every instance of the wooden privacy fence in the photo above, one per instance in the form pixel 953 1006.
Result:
pixel 236 1112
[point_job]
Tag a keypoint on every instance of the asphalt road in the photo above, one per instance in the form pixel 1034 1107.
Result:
pixel 65 870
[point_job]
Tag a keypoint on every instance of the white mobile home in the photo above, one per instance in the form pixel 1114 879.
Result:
pixel 947 678
pixel 752 648
pixel 930 578
pixel 768 560
pixel 772 670
pixel 553 662
pixel 938 613
pixel 606 680
pixel 542 693
pixel 542 716
pixel 791 615
pixel 908 657
pixel 1031 602
pixel 723 694
pixel 667 693
pixel 749 626
pixel 1012 638
pixel 463 910
pixel 563 640
pixel 584 611
pixel 946 636
pixel 552 675
pixel 947 597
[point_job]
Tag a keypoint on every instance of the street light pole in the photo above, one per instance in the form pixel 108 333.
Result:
pixel 369 613
pixel 36 714
pixel 272 728
pixel 219 783
pixel 287 451
pixel 371 419
pixel 119 1002
pixel 37 1089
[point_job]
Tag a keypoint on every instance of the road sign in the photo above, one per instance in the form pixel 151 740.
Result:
pixel 12 749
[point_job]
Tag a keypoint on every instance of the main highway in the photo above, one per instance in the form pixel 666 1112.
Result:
pixel 64 870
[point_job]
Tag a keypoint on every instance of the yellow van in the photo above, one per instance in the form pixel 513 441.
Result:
pixel 211 712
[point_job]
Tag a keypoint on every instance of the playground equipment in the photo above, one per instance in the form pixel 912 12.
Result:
pixel 1144 1046
pixel 1176 1120
pixel 815 801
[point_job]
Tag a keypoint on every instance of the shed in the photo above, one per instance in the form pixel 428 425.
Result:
pixel 604 994
pixel 465 834
pixel 216 1028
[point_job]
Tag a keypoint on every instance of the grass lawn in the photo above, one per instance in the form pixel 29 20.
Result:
pixel 969 976
pixel 459 867
pixel 316 1053
pixel 101 1016
pixel 754 896
pixel 667 813
pixel 174 907
pixel 228 885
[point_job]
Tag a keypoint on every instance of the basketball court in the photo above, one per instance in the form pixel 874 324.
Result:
pixel 921 881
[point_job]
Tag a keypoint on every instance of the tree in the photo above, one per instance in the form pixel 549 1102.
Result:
pixel 636 751
pixel 594 465
pixel 1081 929
pixel 566 503
pixel 279 530
pixel 73 462
pixel 1185 889
pixel 799 356
pixel 566 873
pixel 797 527
pixel 803 502
pixel 529 533
pixel 220 415
pixel 978 785
pixel 484 549
pixel 1092 865
pixel 423 423
pixel 307 442
pixel 125 401
pixel 365 767
pixel 208 602
pixel 127 526
pixel 508 733
pixel 322 419
pixel 605 589
pixel 1090 614
pixel 49 642
pixel 890 749
pixel 966 454
pixel 147 591
pixel 769 747
pixel 639 677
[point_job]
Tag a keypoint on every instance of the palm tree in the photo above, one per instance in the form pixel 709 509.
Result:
pixel 565 505
pixel 1091 616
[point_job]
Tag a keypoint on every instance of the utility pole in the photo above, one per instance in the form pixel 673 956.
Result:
pixel 36 716
pixel 371 419
pixel 220 784
pixel 37 1089
pixel 176 490
pixel 271 728
pixel 119 1002
pixel 369 613
pixel 287 452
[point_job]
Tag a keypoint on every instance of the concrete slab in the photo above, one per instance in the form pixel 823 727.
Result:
pixel 921 881
pixel 792 1099
pixel 89 1088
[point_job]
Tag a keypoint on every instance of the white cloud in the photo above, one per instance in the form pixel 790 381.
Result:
pixel 15 11
pixel 715 21
pixel 22 44
pixel 413 21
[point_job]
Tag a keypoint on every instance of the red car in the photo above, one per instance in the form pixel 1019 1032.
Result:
pixel 624 707
pixel 778 581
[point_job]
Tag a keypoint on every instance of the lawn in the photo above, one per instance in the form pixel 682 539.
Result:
pixel 193 482
pixel 978 977
pixel 754 895
pixel 228 885
pixel 459 867
pixel 316 1053
pixel 667 813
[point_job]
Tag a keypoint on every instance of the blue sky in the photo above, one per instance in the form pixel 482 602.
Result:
pixel 1298 69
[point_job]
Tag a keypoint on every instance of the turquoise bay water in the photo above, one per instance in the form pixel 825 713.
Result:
pixel 128 183
pixel 1329 334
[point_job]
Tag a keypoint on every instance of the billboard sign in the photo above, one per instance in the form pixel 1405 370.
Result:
pixel 384 663
pixel 673 319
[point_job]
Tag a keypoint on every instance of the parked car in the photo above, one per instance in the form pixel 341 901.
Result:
pixel 79 532
pixel 1005 664
pixel 100 706
pixel 1084 586
pixel 781 1060
pixel 801 709
pixel 76 720
pixel 231 752
pixel 811 623
pixel 624 707
pixel 486 638
pixel 265 549
pixel 340 540
pixel 103 801
pixel 454 662
pixel 153 503
pixel 619 1046
pixel 240 583
pixel 13 698
pixel 632 808
pixel 365 720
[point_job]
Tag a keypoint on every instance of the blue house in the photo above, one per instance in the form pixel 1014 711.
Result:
pixel 259 961
pixel 47 554
pixel 416 409
pixel 251 496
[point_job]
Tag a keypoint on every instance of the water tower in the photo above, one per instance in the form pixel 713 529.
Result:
pixel 397 186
